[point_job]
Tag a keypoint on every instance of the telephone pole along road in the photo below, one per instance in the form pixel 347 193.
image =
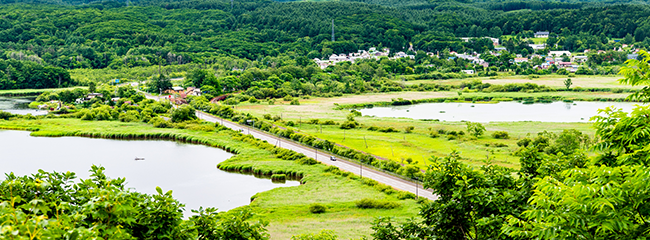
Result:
pixel 378 176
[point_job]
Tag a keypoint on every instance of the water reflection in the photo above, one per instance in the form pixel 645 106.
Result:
pixel 19 105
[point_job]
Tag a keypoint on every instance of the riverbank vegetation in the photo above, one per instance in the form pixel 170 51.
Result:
pixel 337 190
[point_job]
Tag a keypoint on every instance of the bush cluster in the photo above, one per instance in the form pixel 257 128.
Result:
pixel 367 203
pixel 383 129
pixel 317 208
pixel 500 135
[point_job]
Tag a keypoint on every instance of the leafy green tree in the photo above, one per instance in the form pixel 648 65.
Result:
pixel 159 84
pixel 637 72
pixel 608 199
pixel 92 87
pixel 628 39
pixel 183 113
pixel 471 204
pixel 475 129
pixel 568 83
pixel 598 202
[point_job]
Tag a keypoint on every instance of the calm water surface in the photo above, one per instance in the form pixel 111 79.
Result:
pixel 499 112
pixel 189 170
pixel 18 106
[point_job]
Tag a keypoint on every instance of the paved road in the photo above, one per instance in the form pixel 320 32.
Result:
pixel 378 176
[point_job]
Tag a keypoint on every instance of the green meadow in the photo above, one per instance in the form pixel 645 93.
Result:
pixel 286 208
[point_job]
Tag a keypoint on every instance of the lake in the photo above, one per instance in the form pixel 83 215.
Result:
pixel 498 112
pixel 189 170
pixel 19 106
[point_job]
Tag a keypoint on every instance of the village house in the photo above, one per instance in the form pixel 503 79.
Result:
pixel 579 59
pixel 402 55
pixel 542 66
pixel 94 95
pixel 537 46
pixel 175 90
pixel 88 97
pixel 521 60
pixel 372 53
pixel 559 53
pixel 542 34
pixel 192 91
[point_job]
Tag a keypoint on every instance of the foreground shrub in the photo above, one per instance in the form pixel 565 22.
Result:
pixel 323 235
pixel 317 208
pixel 159 122
pixel 6 115
pixel 183 113
pixel 367 203
pixel 500 135
pixel 51 205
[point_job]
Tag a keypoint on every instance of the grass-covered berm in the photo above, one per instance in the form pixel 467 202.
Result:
pixel 327 198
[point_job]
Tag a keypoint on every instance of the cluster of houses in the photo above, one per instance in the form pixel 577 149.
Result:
pixel 560 59
pixel 177 95
pixel 372 53
pixel 88 97
pixel 556 58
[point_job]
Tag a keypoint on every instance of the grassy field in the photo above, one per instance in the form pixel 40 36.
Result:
pixel 419 145
pixel 535 40
pixel 286 208
pixel 557 81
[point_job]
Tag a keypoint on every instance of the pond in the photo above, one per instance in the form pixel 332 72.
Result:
pixel 189 170
pixel 19 106
pixel 499 112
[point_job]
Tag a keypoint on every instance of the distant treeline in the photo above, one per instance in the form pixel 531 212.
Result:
pixel 24 74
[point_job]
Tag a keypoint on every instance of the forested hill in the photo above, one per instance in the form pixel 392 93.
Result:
pixel 83 34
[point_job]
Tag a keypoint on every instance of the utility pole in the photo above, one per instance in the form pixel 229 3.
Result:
pixel 333 39
pixel 416 189
pixel 360 169
pixel 232 2
pixel 364 140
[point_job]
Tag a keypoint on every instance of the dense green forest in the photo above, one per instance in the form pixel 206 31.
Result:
pixel 126 34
